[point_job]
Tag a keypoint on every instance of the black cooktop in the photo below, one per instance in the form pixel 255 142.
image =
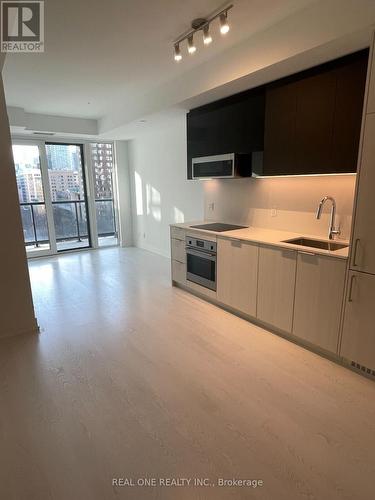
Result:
pixel 219 227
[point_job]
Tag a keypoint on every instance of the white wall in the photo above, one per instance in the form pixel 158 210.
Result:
pixel 124 194
pixel 251 201
pixel 161 194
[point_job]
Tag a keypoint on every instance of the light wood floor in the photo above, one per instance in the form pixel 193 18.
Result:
pixel 133 378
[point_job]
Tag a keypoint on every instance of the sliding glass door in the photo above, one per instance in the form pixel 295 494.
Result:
pixel 33 198
pixel 67 185
pixel 53 196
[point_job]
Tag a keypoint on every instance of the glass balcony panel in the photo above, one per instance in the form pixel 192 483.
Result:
pixel 105 218
pixel 27 224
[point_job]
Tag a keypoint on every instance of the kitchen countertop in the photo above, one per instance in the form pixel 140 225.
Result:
pixel 269 237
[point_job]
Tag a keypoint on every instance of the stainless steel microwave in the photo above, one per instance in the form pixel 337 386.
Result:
pixel 225 166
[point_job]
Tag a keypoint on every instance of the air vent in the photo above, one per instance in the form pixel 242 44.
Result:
pixel 43 133
pixel 363 369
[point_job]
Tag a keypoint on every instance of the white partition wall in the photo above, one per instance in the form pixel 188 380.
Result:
pixel 17 312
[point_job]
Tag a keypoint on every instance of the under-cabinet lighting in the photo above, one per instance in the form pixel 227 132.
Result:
pixel 254 176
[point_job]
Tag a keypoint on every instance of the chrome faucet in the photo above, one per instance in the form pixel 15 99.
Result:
pixel 332 231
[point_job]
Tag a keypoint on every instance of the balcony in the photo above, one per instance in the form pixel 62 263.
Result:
pixel 71 224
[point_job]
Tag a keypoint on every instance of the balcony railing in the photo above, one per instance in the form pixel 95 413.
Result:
pixel 34 222
pixel 70 220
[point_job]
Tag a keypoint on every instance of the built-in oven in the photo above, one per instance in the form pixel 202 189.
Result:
pixel 201 262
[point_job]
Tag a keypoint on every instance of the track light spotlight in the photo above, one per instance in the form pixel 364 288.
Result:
pixel 207 38
pixel 224 26
pixel 177 52
pixel 191 47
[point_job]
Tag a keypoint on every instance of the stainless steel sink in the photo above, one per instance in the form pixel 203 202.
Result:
pixel 324 245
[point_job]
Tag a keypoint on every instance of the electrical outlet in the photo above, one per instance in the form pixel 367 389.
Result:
pixel 274 212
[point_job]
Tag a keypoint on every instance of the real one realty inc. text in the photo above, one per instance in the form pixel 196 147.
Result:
pixel 180 482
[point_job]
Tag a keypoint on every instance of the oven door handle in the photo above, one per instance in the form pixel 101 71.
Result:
pixel 201 253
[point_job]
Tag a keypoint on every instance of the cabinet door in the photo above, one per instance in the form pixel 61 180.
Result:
pixel 237 272
pixel 358 338
pixel 280 130
pixel 276 282
pixel 318 299
pixel 314 123
pixel 179 272
pixel 363 250
pixel 178 250
pixel 351 81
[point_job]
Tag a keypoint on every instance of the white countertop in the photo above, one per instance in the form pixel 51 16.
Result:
pixel 268 237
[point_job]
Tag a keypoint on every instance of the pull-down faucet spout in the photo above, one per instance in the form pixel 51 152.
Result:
pixel 332 231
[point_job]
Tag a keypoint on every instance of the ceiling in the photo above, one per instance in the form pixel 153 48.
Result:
pixel 100 56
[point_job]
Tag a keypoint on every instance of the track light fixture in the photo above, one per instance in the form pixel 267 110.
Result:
pixel 177 52
pixel 191 47
pixel 224 26
pixel 207 38
pixel 202 24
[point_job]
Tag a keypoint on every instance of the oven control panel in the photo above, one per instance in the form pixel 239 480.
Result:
pixel 208 246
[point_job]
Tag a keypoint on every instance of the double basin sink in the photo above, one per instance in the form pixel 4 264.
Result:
pixel 324 245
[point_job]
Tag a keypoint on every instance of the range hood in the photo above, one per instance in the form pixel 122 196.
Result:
pixel 224 166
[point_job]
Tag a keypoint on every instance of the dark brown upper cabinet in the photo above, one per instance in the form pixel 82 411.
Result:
pixel 232 125
pixel 313 119
pixel 314 123
pixel 280 129
pixel 351 82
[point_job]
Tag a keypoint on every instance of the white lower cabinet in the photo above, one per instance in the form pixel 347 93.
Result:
pixel 178 233
pixel 358 337
pixel 318 299
pixel 178 250
pixel 178 255
pixel 237 274
pixel 276 284
pixel 179 272
pixel 296 292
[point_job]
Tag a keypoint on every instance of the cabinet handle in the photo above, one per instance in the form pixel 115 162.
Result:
pixel 350 298
pixel 355 252
pixel 307 253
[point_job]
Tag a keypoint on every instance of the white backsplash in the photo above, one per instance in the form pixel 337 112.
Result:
pixel 284 203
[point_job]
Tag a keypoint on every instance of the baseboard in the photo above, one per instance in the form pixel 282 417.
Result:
pixel 29 331
pixel 152 249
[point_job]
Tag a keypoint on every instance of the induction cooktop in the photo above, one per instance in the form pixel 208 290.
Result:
pixel 218 227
